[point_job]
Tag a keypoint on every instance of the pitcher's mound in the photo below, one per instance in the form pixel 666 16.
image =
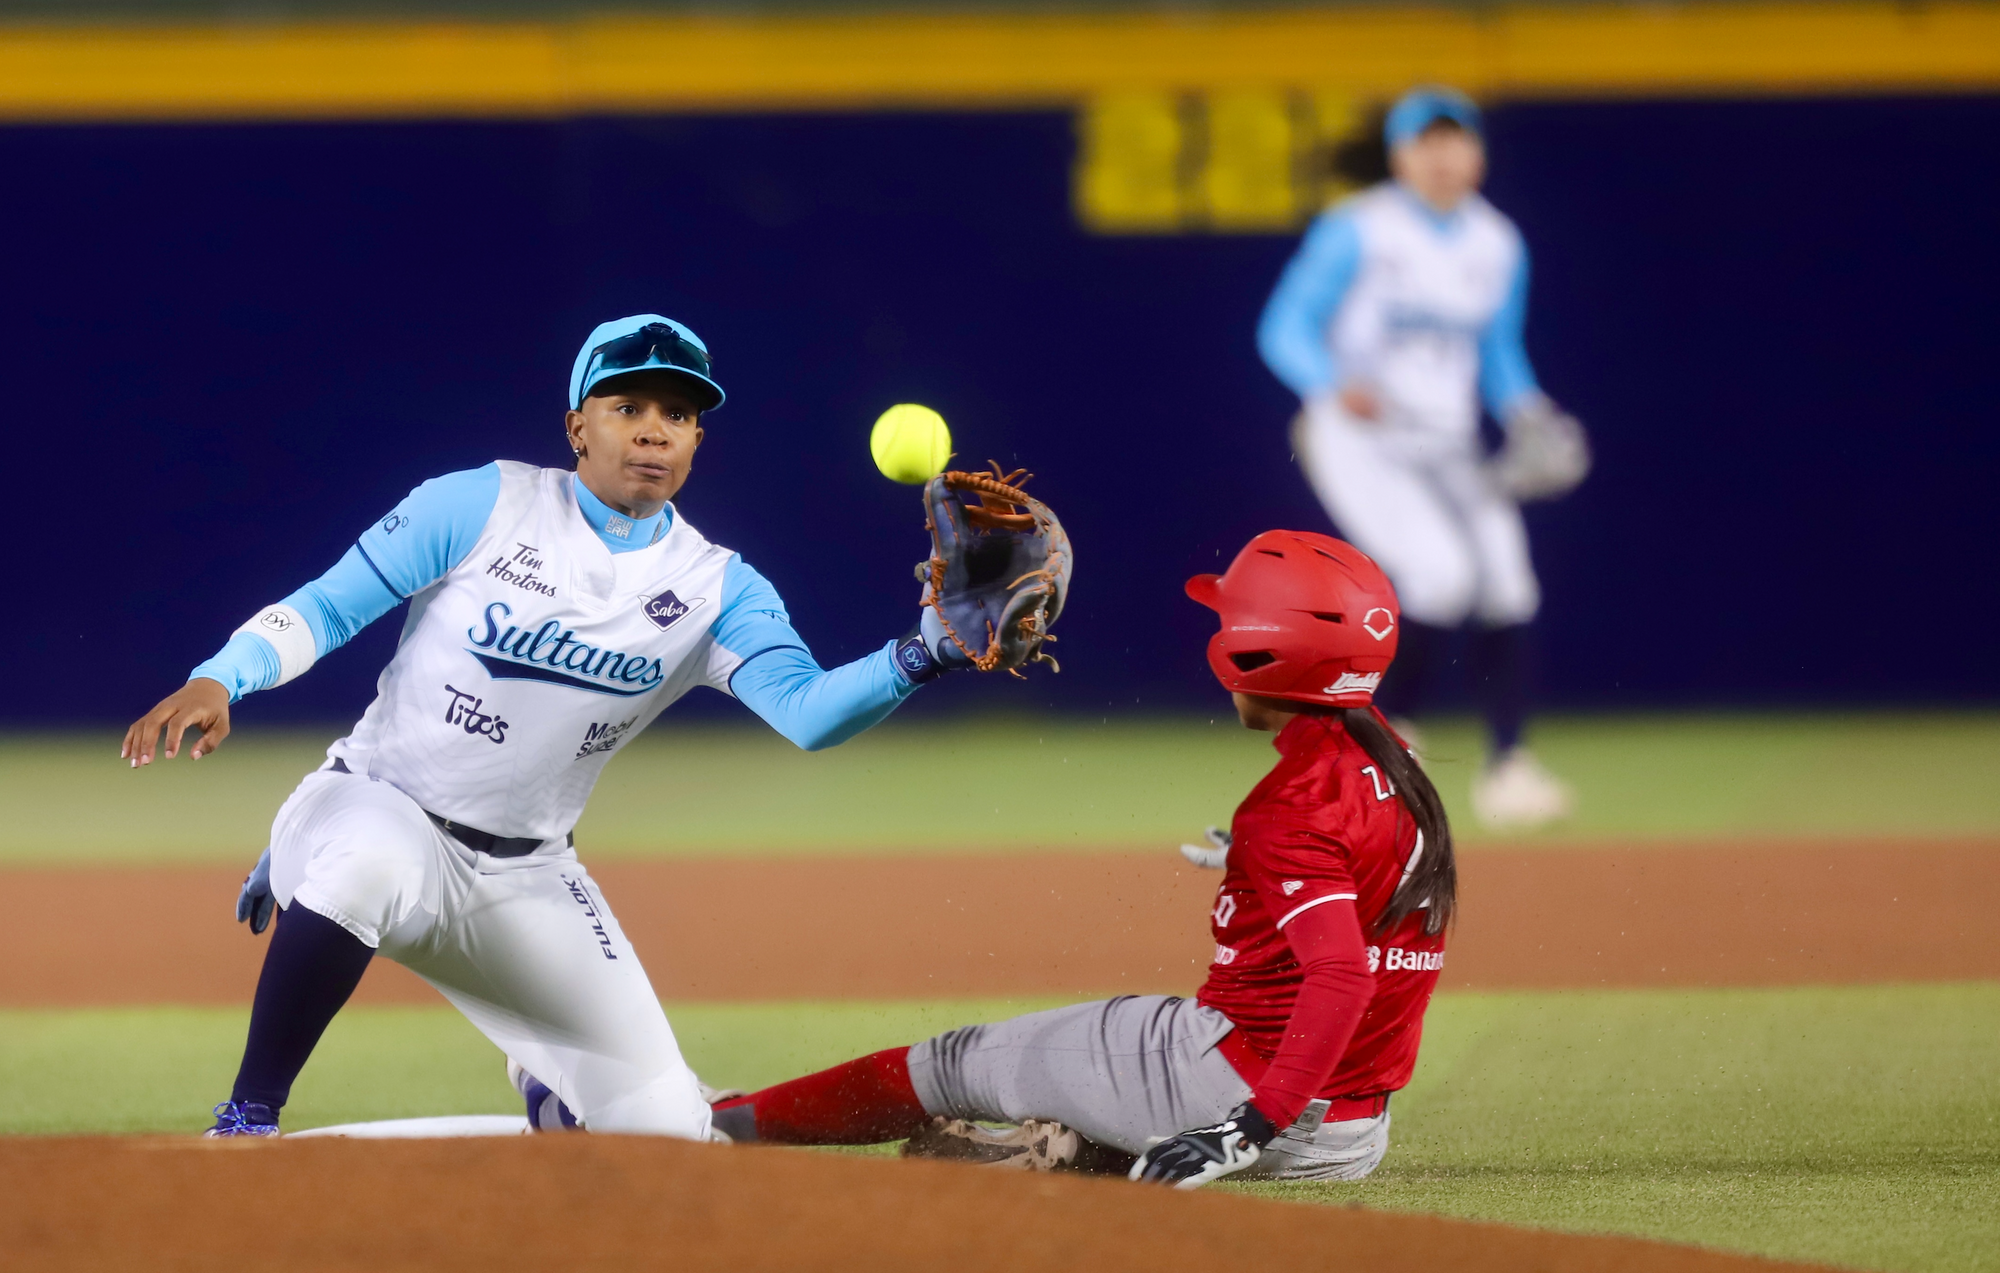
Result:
pixel 627 1203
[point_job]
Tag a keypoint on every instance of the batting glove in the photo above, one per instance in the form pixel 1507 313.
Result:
pixel 931 629
pixel 1210 859
pixel 255 903
pixel 1192 1159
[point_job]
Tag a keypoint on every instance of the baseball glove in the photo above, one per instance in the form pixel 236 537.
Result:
pixel 1546 454
pixel 998 572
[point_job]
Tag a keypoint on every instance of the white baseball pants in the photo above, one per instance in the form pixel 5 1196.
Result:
pixel 525 947
pixel 1422 505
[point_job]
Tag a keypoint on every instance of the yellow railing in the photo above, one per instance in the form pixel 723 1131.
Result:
pixel 347 70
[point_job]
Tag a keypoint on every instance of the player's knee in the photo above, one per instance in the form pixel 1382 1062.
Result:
pixel 382 881
pixel 938 1071
pixel 372 871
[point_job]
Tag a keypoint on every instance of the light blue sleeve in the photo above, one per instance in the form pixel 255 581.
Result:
pixel 1504 374
pixel 244 665
pixel 779 680
pixel 1292 335
pixel 431 531
pixel 412 548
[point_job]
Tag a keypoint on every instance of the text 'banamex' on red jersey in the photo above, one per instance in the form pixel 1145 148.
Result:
pixel 1322 826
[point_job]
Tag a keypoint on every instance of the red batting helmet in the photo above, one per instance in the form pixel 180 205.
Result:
pixel 1304 617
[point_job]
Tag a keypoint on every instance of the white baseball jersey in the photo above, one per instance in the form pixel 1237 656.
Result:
pixel 546 629
pixel 1425 308
pixel 535 658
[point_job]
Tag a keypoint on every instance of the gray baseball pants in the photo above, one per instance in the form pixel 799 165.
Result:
pixel 1125 1072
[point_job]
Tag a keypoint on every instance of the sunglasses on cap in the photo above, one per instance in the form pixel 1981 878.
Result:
pixel 655 345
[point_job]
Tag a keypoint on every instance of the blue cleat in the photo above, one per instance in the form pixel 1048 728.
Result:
pixel 546 1111
pixel 243 1118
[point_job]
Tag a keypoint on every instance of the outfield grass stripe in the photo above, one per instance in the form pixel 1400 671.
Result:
pixel 1057 785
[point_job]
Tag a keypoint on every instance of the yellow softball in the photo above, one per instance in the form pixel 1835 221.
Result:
pixel 910 443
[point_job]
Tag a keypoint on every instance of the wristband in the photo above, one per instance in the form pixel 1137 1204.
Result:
pixel 1256 1128
pixel 285 630
pixel 916 662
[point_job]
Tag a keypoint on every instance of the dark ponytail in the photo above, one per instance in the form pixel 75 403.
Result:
pixel 1361 159
pixel 1435 876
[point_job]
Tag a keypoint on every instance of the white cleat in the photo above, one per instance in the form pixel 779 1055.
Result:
pixel 716 1095
pixel 1514 793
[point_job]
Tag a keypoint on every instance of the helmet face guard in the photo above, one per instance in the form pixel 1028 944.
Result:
pixel 1305 617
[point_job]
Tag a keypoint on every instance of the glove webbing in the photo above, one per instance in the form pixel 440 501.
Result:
pixel 1001 506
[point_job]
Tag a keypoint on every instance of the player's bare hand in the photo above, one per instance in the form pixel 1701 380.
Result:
pixel 1361 401
pixel 200 704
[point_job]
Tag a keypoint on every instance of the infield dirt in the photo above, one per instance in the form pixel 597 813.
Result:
pixel 1721 914
pixel 571 1202
pixel 1717 914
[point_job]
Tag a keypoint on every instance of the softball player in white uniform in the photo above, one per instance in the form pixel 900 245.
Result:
pixel 1402 309
pixel 553 614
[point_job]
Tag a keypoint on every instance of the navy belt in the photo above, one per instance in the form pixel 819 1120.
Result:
pixel 499 846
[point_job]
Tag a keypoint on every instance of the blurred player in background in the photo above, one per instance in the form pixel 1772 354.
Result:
pixel 1404 307
pixel 1329 931
pixel 553 614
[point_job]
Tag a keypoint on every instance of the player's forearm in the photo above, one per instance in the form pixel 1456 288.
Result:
pixel 1324 1017
pixel 1505 377
pixel 1506 381
pixel 245 664
pixel 281 642
pixel 423 537
pixel 1296 357
pixel 1331 1001
pixel 819 707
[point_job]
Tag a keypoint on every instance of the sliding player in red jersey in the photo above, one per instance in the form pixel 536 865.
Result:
pixel 1329 931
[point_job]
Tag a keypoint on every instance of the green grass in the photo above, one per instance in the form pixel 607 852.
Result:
pixel 160 1069
pixel 1855 1126
pixel 1858 1126
pixel 1050 785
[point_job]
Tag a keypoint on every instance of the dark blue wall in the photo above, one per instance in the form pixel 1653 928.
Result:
pixel 226 349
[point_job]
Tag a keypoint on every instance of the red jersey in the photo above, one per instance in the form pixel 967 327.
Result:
pixel 1323 826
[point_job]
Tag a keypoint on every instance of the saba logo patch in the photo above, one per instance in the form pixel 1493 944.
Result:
pixel 666 609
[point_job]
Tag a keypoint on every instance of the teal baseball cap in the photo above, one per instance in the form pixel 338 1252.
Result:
pixel 644 342
pixel 1425 105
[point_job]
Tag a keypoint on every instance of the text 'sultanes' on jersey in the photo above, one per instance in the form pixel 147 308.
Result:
pixel 1322 826
pixel 530 662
